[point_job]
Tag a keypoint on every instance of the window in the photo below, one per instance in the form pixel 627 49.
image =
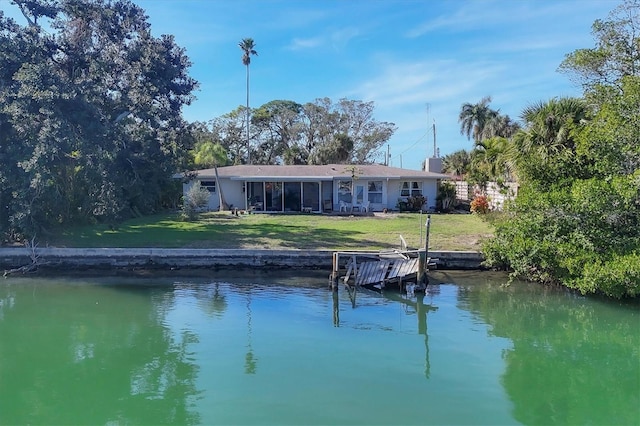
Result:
pixel 375 191
pixel 416 188
pixel 209 185
pixel 411 189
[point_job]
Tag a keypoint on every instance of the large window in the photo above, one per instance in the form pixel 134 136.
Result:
pixel 292 197
pixel 255 195
pixel 411 189
pixel 311 195
pixel 375 191
pixel 273 196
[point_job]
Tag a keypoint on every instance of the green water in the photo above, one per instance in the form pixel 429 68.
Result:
pixel 270 349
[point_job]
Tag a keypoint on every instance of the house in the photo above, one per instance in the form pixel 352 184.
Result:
pixel 316 188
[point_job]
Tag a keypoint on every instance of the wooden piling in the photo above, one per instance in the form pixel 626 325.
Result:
pixel 335 276
pixel 423 266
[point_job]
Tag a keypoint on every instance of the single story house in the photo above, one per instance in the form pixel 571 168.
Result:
pixel 316 188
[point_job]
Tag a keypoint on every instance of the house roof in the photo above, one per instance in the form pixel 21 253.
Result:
pixel 316 172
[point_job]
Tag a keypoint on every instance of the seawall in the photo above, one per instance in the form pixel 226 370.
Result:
pixel 61 259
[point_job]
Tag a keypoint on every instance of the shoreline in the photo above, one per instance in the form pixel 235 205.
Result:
pixel 78 259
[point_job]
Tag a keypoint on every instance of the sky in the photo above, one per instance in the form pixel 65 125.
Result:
pixel 417 60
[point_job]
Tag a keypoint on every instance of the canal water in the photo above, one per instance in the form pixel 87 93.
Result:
pixel 238 348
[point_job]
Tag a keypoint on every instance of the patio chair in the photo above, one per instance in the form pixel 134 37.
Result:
pixel 364 207
pixel 344 206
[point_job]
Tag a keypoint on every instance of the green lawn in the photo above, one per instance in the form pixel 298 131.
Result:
pixel 224 230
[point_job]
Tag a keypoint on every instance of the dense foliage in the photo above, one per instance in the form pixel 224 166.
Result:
pixel 90 114
pixel 91 125
pixel 286 132
pixel 576 220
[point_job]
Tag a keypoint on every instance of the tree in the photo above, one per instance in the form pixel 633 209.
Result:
pixel 277 126
pixel 209 154
pixel 617 50
pixel 576 219
pixel 490 161
pixel 474 118
pixel 337 151
pixel 248 49
pixel 500 126
pixel 90 113
pixel 457 163
pixel 368 134
pixel 314 133
pixel 545 149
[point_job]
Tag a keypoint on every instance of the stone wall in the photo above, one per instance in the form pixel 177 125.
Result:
pixel 78 259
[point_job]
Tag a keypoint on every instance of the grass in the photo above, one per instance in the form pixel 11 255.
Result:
pixel 299 231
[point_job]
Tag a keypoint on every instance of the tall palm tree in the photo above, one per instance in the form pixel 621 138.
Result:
pixel 248 49
pixel 475 117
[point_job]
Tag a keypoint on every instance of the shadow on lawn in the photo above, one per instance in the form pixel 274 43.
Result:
pixel 222 232
pixel 277 236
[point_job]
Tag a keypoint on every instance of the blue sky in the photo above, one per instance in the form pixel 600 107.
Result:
pixel 418 61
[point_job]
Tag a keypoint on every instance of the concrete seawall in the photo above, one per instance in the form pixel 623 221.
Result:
pixel 60 259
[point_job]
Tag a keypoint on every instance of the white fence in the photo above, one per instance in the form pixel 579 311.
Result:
pixel 496 194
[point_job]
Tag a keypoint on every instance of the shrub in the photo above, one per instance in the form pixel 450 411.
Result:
pixel 480 205
pixel 446 196
pixel 196 199
pixel 411 204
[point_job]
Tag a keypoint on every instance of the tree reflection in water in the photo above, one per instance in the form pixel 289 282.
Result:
pixel 108 357
pixel 574 359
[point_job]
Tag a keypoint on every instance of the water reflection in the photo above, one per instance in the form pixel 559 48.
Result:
pixel 250 361
pixel 108 358
pixel 410 300
pixel 183 352
pixel 574 360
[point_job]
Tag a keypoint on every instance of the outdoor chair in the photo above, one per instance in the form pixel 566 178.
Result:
pixel 345 207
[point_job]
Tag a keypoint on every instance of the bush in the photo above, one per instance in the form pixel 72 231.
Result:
pixel 446 196
pixel 195 200
pixel 411 204
pixel 480 205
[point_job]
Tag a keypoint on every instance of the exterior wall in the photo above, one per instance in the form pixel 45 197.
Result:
pixel 232 191
pixel 429 190
pixel 391 190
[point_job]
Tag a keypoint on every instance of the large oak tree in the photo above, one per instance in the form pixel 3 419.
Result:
pixel 90 114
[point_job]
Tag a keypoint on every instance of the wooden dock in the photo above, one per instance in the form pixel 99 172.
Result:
pixel 379 269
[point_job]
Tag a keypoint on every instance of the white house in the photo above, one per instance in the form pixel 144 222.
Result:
pixel 332 187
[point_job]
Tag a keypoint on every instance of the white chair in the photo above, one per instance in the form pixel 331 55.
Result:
pixel 345 207
pixel 364 207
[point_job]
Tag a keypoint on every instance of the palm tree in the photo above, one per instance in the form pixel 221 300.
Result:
pixel 456 163
pixel 500 126
pixel 549 125
pixel 248 48
pixel 475 117
pixel 546 148
pixel 209 154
